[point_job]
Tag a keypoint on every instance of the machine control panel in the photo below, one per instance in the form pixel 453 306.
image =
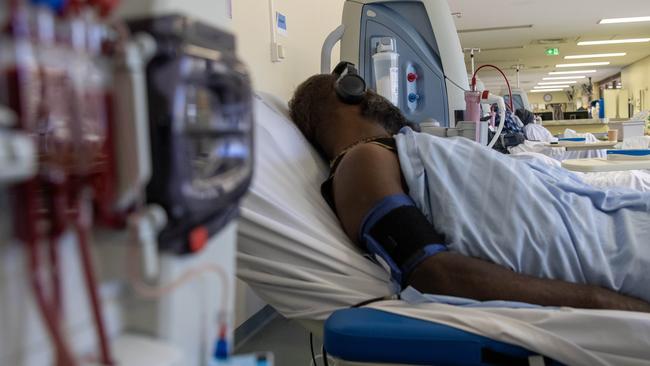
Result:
pixel 422 89
pixel 412 94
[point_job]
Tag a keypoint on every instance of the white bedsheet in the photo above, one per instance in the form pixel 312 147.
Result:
pixel 293 253
pixel 570 336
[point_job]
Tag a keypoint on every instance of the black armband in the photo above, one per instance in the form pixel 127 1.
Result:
pixel 397 233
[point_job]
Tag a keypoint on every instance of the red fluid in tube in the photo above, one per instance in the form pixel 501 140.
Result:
pixel 104 180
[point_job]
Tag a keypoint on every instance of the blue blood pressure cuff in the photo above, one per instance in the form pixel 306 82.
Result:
pixel 397 233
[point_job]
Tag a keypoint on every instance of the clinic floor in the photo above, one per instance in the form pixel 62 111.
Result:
pixel 288 341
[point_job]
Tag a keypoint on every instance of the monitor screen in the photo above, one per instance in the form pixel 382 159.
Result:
pixel 576 115
pixel 517 101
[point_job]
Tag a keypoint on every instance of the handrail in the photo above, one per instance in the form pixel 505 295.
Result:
pixel 328 45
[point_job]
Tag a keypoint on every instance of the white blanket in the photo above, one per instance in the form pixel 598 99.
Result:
pixel 534 219
pixel 293 253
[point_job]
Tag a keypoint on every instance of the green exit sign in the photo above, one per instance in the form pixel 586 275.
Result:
pixel 553 51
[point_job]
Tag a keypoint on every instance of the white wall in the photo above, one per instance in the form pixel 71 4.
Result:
pixel 308 23
pixel 538 98
pixel 616 103
pixel 636 79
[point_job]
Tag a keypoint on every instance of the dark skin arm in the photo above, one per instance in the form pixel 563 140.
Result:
pixel 369 173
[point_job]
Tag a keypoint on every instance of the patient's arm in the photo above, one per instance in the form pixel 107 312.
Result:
pixel 457 275
pixel 369 173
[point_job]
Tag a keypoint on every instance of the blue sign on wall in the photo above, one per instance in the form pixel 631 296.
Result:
pixel 281 23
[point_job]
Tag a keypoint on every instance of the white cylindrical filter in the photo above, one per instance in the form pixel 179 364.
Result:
pixel 386 68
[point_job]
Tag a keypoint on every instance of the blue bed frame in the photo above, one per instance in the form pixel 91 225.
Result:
pixel 373 336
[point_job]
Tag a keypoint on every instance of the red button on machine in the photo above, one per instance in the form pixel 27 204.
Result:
pixel 411 77
pixel 198 238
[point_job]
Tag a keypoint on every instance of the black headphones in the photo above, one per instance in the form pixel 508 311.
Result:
pixel 350 86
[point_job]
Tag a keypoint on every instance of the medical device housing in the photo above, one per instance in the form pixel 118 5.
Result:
pixel 200 103
pixel 432 75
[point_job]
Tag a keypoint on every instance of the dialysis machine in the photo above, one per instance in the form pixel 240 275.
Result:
pixel 200 112
pixel 427 78
pixel 139 137
pixel 409 52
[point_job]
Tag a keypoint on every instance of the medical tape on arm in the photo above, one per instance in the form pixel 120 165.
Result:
pixel 396 232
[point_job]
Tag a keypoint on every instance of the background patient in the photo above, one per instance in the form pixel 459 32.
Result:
pixel 357 140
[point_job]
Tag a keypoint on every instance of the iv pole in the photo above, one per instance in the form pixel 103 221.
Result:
pixel 518 68
pixel 471 55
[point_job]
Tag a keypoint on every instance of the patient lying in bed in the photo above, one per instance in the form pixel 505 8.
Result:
pixel 436 238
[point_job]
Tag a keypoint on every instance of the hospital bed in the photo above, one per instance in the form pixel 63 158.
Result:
pixel 294 255
pixel 370 335
pixel 604 165
pixel 540 140
pixel 586 156
pixel 634 151
pixel 595 126
pixel 578 146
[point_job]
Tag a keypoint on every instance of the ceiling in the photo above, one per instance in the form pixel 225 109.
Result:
pixel 570 20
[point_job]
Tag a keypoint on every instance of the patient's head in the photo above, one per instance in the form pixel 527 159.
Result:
pixel 325 120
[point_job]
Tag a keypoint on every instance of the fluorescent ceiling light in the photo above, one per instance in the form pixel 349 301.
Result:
pixel 571 72
pixel 624 20
pixel 614 41
pixel 507 27
pixel 557 82
pixel 595 55
pixel 545 90
pixel 582 64
pixel 550 86
pixel 565 77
